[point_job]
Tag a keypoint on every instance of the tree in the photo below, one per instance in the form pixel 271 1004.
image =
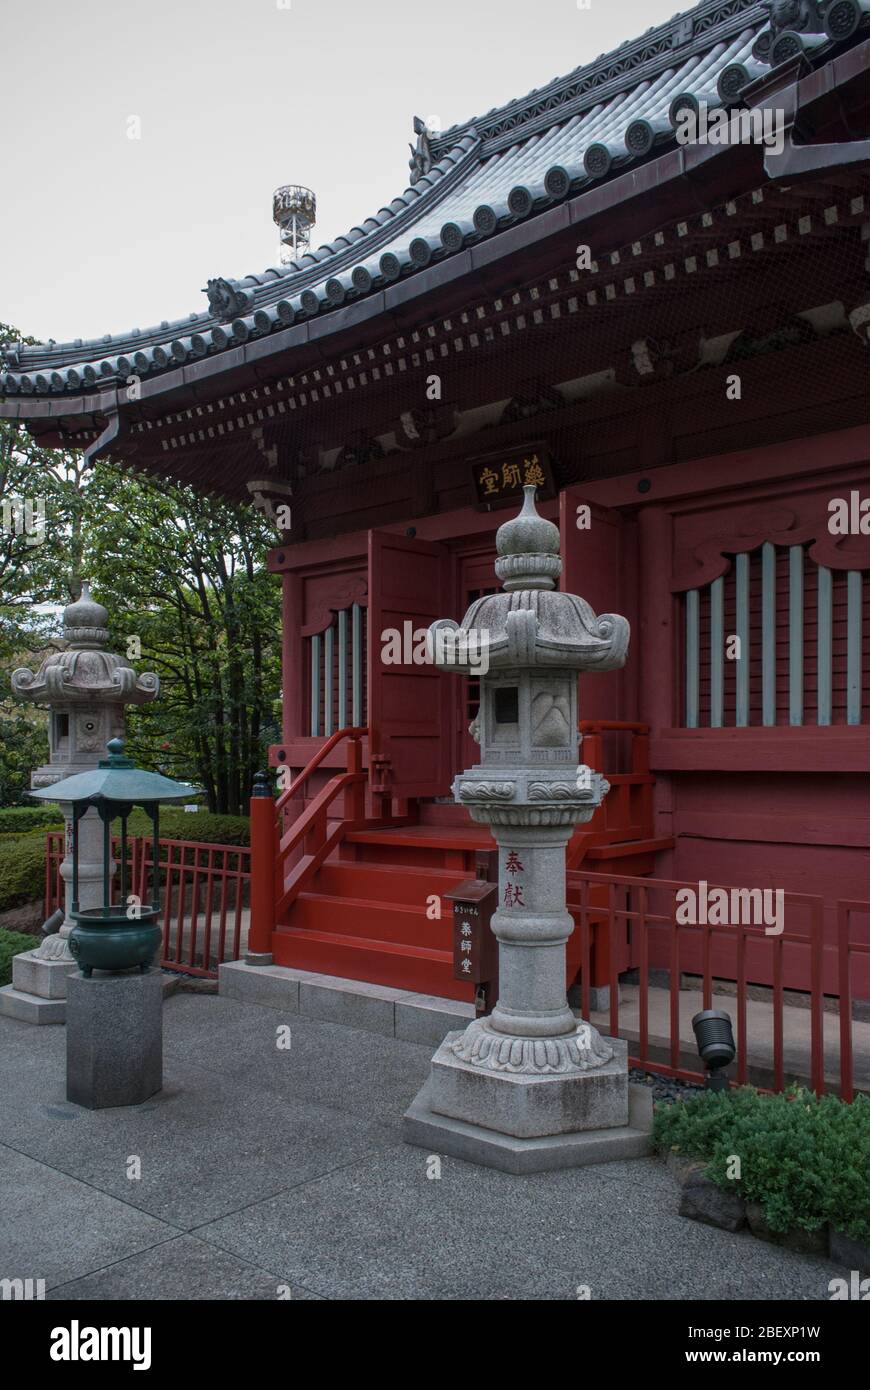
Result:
pixel 184 578
pixel 190 591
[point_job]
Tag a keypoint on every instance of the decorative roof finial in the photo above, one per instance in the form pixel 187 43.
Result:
pixel 421 155
pixel 85 621
pixel 528 549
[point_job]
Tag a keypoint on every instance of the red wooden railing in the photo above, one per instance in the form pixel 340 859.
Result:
pixel 627 811
pixel 205 896
pixel 312 832
pixel 205 916
pixel 205 902
pixel 285 860
pixel 819 967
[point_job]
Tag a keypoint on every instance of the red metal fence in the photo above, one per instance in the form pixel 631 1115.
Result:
pixel 205 897
pixel 751 970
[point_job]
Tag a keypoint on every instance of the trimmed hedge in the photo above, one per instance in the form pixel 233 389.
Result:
pixel 22 870
pixel 193 825
pixel 22 853
pixel 805 1159
pixel 11 944
pixel 21 819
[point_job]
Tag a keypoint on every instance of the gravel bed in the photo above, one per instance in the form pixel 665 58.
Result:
pixel 665 1089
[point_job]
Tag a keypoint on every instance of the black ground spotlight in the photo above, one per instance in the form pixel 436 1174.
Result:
pixel 715 1038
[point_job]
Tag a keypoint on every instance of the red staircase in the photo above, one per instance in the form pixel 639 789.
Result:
pixel 365 914
pixel 359 898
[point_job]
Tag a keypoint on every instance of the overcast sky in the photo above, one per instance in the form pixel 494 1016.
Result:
pixel 100 233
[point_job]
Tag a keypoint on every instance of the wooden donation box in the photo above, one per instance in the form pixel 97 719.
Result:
pixel 475 949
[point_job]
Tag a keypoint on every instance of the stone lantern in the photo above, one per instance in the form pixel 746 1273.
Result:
pixel 114 1037
pixel 529 1086
pixel 86 687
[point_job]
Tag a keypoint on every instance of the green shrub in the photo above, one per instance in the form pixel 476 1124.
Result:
pixel 20 819
pixel 22 870
pixel 805 1159
pixel 11 943
pixel 189 825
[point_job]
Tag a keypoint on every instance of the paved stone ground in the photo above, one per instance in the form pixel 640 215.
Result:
pixel 264 1167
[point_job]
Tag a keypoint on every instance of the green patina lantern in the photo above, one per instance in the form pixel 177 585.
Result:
pixel 109 937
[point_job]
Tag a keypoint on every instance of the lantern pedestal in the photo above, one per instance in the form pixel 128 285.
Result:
pixel 527 1102
pixel 472 1142
pixel 39 977
pixel 114 1038
pixel 38 990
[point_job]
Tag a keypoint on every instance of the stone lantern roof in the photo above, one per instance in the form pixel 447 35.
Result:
pixel 84 670
pixel 531 623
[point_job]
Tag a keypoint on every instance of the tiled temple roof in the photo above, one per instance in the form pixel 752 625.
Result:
pixel 505 166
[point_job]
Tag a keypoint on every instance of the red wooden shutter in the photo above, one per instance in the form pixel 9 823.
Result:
pixel 409 702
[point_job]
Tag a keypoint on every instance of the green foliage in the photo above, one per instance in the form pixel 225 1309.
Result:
pixel 22 870
pixel 805 1159
pixel 201 826
pixel 11 944
pixel 23 745
pixel 185 580
pixel 21 819
pixel 186 576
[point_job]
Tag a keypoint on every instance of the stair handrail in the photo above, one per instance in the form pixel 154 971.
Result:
pixel 594 729
pixel 352 731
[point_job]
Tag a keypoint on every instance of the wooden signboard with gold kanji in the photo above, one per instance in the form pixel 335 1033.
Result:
pixel 499 479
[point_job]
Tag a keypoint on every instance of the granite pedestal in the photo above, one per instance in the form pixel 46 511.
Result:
pixel 114 1040
pixel 425 1128
pixel 530 1105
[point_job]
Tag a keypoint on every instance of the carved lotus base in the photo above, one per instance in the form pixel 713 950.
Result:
pixel 55 947
pixel 515 817
pixel 481 1046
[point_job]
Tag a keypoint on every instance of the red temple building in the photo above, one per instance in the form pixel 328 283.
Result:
pixel 669 338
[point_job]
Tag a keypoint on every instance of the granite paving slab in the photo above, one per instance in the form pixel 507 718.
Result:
pixel 56 1228
pixel 263 1166
pixel 183 1268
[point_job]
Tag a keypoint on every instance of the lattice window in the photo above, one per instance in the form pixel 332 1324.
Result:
pixel 802 649
pixel 336 661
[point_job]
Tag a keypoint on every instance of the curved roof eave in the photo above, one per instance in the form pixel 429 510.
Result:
pixel 616 198
pixel 473 190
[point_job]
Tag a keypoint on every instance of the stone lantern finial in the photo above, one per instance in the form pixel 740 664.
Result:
pixel 528 549
pixel 85 621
